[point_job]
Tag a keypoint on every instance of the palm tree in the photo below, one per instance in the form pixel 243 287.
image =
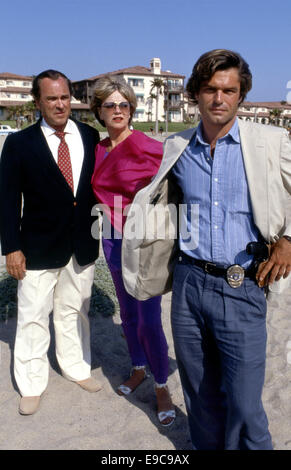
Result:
pixel 26 109
pixel 274 115
pixel 158 85
pixel 13 111
pixel 149 102
pixel 29 109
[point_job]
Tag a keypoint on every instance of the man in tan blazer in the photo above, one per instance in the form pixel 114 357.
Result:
pixel 219 188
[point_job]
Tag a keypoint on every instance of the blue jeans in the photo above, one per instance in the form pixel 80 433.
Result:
pixel 220 342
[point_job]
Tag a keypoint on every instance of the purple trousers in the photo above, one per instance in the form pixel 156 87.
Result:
pixel 141 320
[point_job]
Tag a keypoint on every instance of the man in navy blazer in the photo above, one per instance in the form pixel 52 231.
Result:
pixel 45 228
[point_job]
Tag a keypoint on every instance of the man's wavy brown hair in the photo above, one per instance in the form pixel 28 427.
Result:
pixel 211 62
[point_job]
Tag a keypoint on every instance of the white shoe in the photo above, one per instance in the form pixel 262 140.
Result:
pixel 124 389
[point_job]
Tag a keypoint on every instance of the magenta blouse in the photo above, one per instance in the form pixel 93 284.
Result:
pixel 126 169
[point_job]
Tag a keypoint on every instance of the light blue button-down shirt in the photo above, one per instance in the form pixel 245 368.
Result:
pixel 218 211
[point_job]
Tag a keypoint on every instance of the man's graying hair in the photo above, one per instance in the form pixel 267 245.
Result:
pixel 53 75
pixel 211 62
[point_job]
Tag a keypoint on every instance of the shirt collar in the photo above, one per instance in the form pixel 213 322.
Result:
pixel 233 133
pixel 48 130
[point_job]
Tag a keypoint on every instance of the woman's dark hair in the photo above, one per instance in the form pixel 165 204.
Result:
pixel 211 62
pixel 53 75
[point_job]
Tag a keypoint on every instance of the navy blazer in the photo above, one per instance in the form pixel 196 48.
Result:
pixel 53 224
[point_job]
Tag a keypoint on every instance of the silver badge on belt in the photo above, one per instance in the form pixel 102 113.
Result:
pixel 235 275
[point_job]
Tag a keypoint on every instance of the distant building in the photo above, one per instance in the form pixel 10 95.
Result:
pixel 15 91
pixel 140 79
pixel 267 112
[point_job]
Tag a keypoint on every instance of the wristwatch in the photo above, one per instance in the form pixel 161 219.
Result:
pixel 287 238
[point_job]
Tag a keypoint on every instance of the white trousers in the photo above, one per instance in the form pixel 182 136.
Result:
pixel 65 291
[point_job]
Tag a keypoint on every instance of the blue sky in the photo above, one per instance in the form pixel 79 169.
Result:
pixel 83 38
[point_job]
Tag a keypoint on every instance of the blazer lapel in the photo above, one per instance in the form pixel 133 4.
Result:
pixel 255 160
pixel 88 160
pixel 175 146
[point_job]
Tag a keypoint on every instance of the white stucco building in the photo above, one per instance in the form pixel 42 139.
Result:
pixel 14 91
pixel 140 78
pixel 266 112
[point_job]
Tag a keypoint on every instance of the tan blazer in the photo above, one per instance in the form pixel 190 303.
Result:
pixel 150 244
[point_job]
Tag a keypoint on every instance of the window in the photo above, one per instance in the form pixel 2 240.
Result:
pixel 174 116
pixel 140 99
pixel 173 84
pixel 174 98
pixel 136 82
pixel 139 114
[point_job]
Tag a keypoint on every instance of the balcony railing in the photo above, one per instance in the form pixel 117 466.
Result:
pixel 173 88
pixel 174 104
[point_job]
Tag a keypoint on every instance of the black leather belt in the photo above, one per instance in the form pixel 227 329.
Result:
pixel 234 274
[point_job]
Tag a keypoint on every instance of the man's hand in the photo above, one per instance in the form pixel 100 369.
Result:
pixel 16 264
pixel 278 264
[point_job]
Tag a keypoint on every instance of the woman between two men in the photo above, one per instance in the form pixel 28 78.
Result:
pixel 125 162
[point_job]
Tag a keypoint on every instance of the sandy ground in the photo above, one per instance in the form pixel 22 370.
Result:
pixel 70 418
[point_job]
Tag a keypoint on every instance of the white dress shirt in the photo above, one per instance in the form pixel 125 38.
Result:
pixel 75 144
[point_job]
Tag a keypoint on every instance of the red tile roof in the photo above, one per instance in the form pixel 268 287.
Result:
pixel 13 75
pixel 135 70
pixel 265 104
